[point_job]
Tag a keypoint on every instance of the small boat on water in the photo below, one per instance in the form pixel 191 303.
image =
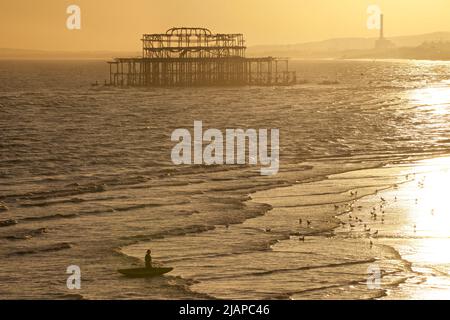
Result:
pixel 144 272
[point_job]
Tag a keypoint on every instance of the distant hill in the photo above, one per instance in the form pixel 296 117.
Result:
pixel 7 53
pixel 406 47
pixel 336 47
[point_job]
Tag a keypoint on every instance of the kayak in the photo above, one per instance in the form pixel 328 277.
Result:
pixel 144 272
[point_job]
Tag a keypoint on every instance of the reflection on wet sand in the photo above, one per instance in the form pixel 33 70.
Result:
pixel 416 224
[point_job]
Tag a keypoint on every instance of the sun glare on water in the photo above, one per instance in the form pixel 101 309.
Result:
pixel 435 99
pixel 430 213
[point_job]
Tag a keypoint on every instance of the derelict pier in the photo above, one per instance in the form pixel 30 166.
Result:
pixel 197 57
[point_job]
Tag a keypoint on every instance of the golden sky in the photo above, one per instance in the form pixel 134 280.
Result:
pixel 118 24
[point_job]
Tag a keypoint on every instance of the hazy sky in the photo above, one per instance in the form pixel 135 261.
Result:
pixel 118 24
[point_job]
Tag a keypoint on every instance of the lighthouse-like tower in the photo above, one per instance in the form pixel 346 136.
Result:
pixel 383 43
pixel 381 26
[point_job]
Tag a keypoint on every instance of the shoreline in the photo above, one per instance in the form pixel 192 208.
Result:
pixel 289 235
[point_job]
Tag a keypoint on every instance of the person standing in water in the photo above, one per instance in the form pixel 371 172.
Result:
pixel 148 259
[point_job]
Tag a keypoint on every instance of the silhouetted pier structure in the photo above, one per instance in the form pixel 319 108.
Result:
pixel 197 57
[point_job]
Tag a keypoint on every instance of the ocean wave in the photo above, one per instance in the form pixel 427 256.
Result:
pixel 44 249
pixel 27 234
pixel 170 233
pixel 287 270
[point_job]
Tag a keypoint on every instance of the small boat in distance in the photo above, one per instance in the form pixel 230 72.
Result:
pixel 144 272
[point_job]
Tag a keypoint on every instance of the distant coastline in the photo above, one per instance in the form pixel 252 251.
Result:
pixel 431 46
pixel 25 54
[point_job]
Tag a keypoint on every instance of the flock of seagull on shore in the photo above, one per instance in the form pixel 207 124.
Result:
pixel 354 221
pixel 376 212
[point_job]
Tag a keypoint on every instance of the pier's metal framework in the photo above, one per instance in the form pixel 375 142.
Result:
pixel 197 57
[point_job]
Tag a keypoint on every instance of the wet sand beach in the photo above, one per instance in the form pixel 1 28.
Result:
pixel 326 235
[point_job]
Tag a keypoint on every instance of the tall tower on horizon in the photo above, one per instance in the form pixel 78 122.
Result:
pixel 381 26
pixel 382 43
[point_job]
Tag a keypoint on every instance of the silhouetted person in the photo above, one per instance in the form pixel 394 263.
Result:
pixel 148 259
